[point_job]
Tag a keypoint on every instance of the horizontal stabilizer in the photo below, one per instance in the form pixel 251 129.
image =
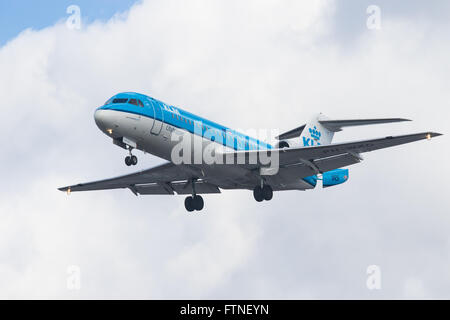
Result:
pixel 337 125
pixel 291 133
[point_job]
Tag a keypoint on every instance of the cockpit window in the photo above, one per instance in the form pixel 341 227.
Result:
pixel 135 102
pixel 119 100
pixel 108 102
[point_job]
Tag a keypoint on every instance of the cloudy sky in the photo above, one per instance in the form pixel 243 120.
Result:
pixel 250 65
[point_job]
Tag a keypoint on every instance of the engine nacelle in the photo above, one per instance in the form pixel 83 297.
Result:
pixel 282 144
pixel 289 143
pixel 334 177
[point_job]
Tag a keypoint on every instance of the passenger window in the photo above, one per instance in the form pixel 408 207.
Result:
pixel 133 101
pixel 140 103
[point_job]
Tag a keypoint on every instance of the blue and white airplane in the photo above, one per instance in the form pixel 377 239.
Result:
pixel 304 155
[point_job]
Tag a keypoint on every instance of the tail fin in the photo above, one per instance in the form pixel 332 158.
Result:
pixel 315 133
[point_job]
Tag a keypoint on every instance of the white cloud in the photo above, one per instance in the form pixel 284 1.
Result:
pixel 258 64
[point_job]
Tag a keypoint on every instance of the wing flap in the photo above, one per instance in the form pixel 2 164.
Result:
pixel 153 188
pixel 335 162
pixel 201 187
pixel 292 174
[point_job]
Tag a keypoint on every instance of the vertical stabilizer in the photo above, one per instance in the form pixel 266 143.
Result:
pixel 315 134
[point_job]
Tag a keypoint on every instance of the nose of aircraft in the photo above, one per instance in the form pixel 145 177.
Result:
pixel 102 120
pixel 99 119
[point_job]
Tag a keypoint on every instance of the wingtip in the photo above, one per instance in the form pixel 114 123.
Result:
pixel 430 135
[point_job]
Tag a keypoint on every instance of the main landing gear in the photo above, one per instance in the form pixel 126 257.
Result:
pixel 263 193
pixel 131 160
pixel 194 203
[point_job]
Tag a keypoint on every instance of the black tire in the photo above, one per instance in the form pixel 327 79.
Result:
pixel 134 160
pixel 198 203
pixel 267 192
pixel 258 194
pixel 128 160
pixel 189 204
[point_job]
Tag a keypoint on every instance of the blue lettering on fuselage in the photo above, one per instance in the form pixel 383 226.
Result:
pixel 171 109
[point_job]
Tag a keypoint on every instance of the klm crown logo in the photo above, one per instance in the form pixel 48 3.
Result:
pixel 315 134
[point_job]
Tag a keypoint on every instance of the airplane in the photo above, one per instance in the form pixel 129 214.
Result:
pixel 304 155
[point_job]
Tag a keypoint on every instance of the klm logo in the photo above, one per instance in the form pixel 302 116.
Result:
pixel 315 134
pixel 315 137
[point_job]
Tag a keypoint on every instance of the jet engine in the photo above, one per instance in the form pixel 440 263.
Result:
pixel 334 177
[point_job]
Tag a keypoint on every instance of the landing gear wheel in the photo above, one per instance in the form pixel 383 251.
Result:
pixel 198 203
pixel 189 204
pixel 128 161
pixel 267 192
pixel 134 160
pixel 258 194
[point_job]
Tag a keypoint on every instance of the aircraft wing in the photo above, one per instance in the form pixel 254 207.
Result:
pixel 294 164
pixel 353 148
pixel 163 179
pixel 319 154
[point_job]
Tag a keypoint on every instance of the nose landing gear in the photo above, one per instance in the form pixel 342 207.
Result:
pixel 131 160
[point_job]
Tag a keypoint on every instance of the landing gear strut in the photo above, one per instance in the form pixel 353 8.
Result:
pixel 131 160
pixel 263 193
